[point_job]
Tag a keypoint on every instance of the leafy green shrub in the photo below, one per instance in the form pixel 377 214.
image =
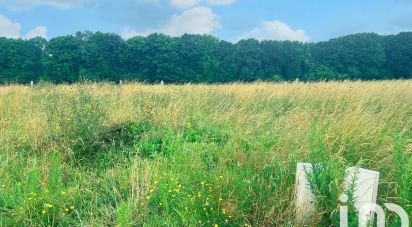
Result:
pixel 196 133
pixel 159 141
pixel 134 138
pixel 122 135
pixel 151 146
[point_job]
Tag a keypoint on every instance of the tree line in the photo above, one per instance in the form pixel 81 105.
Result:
pixel 202 59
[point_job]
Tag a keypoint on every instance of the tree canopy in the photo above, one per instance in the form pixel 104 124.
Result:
pixel 202 58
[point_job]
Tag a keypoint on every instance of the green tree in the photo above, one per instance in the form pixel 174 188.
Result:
pixel 64 58
pixel 398 51
pixel 105 55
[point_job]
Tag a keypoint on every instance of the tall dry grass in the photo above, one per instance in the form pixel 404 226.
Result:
pixel 187 155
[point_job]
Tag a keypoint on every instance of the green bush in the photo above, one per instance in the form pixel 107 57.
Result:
pixel 122 135
pixel 196 133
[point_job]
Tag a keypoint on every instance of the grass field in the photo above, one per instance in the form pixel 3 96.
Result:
pixel 196 155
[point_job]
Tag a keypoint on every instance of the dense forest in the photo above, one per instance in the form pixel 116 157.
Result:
pixel 202 58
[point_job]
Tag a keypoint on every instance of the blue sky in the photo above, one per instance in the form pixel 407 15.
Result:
pixel 231 20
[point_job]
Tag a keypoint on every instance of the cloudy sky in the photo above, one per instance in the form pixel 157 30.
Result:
pixel 231 20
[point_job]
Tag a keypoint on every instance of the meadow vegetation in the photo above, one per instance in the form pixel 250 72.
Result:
pixel 196 155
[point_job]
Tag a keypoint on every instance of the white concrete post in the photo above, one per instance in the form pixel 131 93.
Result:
pixel 365 183
pixel 305 199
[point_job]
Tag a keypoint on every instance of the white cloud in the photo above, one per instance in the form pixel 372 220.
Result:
pixel 129 33
pixel 183 4
pixel 10 29
pixel 157 2
pixel 39 31
pixel 198 20
pixel 275 30
pixel 64 4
